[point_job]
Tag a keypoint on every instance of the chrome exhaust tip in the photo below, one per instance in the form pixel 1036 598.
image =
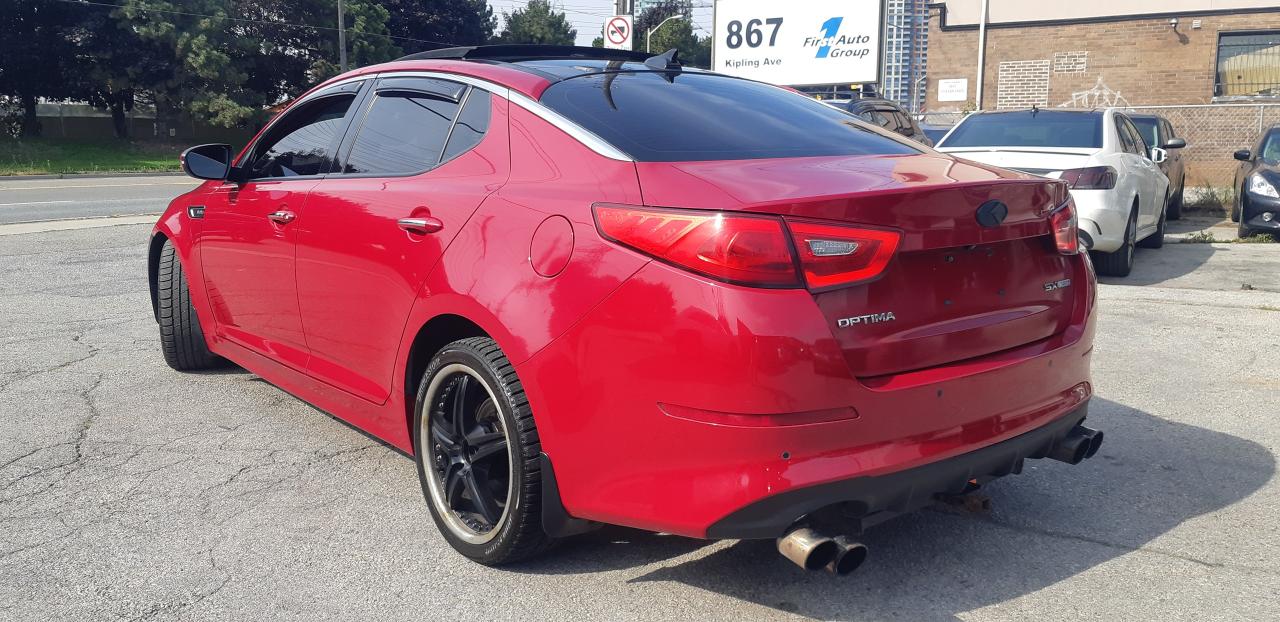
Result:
pixel 851 555
pixel 808 548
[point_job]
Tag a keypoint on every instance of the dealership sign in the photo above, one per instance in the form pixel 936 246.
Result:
pixel 800 42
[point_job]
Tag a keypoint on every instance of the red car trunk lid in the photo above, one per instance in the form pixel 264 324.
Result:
pixel 956 289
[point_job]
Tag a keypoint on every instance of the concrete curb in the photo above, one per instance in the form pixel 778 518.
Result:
pixel 92 175
pixel 43 226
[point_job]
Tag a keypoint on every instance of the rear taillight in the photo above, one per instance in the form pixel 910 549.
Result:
pixel 1091 178
pixel 748 250
pixel 836 256
pixel 1066 232
pixel 751 250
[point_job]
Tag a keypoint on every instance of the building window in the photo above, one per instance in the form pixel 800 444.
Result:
pixel 1248 64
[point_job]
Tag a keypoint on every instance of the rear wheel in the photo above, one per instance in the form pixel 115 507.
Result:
pixel 478 454
pixel 1120 262
pixel 1156 240
pixel 181 337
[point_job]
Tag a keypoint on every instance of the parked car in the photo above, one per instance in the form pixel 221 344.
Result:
pixel 1257 205
pixel 1158 131
pixel 935 132
pixel 579 290
pixel 1119 191
pixel 883 113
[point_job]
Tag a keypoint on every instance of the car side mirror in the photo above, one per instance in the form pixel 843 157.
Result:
pixel 1243 155
pixel 1175 143
pixel 1159 155
pixel 211 161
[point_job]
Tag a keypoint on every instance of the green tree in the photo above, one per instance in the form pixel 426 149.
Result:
pixel 678 33
pixel 425 26
pixel 537 22
pixel 35 52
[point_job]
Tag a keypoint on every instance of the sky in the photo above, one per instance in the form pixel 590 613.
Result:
pixel 588 16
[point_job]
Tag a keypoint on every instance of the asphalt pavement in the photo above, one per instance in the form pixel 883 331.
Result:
pixel 130 491
pixel 29 200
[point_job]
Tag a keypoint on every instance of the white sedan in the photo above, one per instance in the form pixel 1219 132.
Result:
pixel 1119 190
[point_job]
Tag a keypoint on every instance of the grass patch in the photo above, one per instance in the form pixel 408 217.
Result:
pixel 1269 308
pixel 1199 237
pixel 1257 238
pixel 46 157
pixel 1213 200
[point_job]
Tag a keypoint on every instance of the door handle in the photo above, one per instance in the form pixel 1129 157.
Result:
pixel 282 217
pixel 421 226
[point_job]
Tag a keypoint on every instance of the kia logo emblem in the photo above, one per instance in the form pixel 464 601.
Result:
pixel 992 213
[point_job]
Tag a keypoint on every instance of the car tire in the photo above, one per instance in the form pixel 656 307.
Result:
pixel 1156 240
pixel 1174 209
pixel 1243 231
pixel 1119 262
pixel 470 401
pixel 1237 207
pixel 181 336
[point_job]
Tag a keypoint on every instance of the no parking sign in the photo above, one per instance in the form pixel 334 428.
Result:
pixel 617 32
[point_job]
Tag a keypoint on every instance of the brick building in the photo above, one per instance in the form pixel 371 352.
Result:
pixel 1104 52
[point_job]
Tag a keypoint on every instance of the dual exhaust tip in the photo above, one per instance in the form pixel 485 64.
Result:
pixel 1080 444
pixel 813 550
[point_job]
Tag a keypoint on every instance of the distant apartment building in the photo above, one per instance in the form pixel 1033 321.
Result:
pixel 906 43
pixel 1086 53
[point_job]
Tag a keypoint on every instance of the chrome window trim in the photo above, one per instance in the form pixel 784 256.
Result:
pixel 577 132
pixel 580 134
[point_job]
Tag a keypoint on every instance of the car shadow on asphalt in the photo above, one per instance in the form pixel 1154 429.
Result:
pixel 1155 266
pixel 1048 524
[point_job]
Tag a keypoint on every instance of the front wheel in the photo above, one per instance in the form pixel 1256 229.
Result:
pixel 1120 262
pixel 181 337
pixel 1174 209
pixel 478 454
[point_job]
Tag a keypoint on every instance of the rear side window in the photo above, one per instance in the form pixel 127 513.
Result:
pixel 303 141
pixel 404 132
pixel 472 123
pixel 661 117
pixel 1042 128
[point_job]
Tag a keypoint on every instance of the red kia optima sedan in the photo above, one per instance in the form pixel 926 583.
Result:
pixel 584 286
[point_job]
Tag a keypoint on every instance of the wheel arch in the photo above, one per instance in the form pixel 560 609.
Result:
pixel 153 270
pixel 434 334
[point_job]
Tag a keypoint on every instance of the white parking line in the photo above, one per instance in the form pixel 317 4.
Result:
pixel 34 203
pixel 162 183
pixel 92 201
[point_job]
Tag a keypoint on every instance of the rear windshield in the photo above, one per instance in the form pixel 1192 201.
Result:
pixel 1147 128
pixel 1043 128
pixel 707 117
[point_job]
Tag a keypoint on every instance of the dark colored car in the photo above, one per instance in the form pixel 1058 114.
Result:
pixel 935 132
pixel 1257 206
pixel 885 114
pixel 579 287
pixel 1158 132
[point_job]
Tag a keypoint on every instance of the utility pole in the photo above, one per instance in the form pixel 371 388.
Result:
pixel 342 39
pixel 982 51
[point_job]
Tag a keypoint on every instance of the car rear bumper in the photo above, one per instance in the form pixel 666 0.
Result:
pixel 1103 215
pixel 677 403
pixel 870 499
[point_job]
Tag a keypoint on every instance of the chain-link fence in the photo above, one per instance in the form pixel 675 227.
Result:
pixel 1212 131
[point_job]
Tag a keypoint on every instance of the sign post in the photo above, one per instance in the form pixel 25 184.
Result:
pixel 618 32
pixel 799 43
